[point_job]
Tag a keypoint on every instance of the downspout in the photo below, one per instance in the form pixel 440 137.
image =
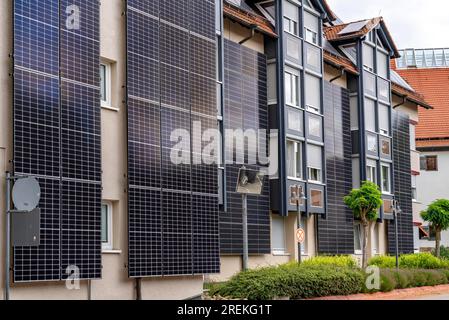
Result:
pixel 253 28
pixel 404 100
pixel 139 289
pixel 342 73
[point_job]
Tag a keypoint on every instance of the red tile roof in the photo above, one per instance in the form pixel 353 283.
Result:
pixel 340 62
pixel 249 19
pixel 433 84
pixel 332 33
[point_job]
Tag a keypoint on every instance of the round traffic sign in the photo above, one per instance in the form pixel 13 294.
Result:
pixel 300 235
pixel 26 194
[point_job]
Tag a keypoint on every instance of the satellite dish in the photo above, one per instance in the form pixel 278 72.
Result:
pixel 250 182
pixel 26 194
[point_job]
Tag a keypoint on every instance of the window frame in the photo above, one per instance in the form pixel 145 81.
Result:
pixel 388 166
pixel 294 75
pixel 278 251
pixel 414 188
pixel 358 229
pixel 107 83
pixel 321 198
pixel 371 170
pixel 319 173
pixel 298 146
pixel 108 245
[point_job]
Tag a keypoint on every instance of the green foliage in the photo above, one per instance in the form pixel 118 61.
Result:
pixel 365 202
pixel 444 252
pixel 292 280
pixel 410 261
pixel 411 278
pixel 337 261
pixel 438 214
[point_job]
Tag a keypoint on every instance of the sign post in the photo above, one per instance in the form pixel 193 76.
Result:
pixel 298 197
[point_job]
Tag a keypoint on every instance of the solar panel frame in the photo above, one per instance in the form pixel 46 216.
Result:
pixel 56 112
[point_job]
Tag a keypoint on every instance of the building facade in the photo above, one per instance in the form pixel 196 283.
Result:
pixel 427 70
pixel 130 208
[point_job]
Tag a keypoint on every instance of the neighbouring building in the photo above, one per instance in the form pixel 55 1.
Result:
pixel 427 70
pixel 92 95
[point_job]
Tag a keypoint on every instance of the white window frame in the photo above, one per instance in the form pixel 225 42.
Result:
pixel 107 83
pixel 295 89
pixel 298 145
pixel 109 245
pixel 321 200
pixel 309 107
pixel 319 171
pixel 359 229
pixel 371 170
pixel 414 189
pixel 383 177
pixel 278 251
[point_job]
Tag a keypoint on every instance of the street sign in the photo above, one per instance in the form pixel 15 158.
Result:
pixel 300 235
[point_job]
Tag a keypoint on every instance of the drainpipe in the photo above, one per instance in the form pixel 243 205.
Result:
pixel 253 28
pixel 89 290
pixel 139 289
pixel 342 73
pixel 404 100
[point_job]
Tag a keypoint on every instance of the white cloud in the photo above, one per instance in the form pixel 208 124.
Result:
pixel 412 23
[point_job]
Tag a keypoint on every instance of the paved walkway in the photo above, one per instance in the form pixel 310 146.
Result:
pixel 423 293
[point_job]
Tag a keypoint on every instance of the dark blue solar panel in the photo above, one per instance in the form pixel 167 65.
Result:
pixel 171 83
pixel 57 134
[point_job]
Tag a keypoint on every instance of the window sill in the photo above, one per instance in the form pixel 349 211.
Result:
pixel 110 108
pixel 281 254
pixel 111 251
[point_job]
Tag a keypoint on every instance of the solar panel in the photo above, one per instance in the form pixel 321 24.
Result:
pixel 171 84
pixel 57 134
pixel 353 27
pixel 245 108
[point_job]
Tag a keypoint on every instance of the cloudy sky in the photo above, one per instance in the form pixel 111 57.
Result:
pixel 413 23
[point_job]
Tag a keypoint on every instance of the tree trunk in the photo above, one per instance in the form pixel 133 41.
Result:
pixel 437 243
pixel 366 233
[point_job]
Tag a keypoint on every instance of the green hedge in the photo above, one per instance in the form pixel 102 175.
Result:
pixel 338 261
pixel 392 279
pixel 294 281
pixel 410 261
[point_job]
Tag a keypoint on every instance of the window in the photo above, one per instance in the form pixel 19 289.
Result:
pixel 292 88
pixel 278 235
pixel 375 239
pixel 296 195
pixel 386 178
pixel 316 197
pixel 371 171
pixel 294 120
pixel 315 128
pixel 358 237
pixel 311 28
pixel 384 90
pixel 429 163
pixel 368 57
pixel 315 163
pixel 105 84
pixel 371 140
pixel 291 18
pixel 294 49
pixel 384 119
pixel 268 9
pixel 370 83
pixel 294 159
pixel 382 65
pixel 313 93
pixel 313 58
pixel 370 115
pixel 414 190
pixel 106 226
pixel 385 147
pixel 354 105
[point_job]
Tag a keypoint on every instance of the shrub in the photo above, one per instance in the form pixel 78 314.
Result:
pixel 294 281
pixel 411 278
pixel 410 261
pixel 337 261
pixel 444 252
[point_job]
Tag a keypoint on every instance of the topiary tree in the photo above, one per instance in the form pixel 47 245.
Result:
pixel 365 203
pixel 437 214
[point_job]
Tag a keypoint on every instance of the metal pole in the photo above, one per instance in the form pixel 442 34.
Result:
pixel 396 235
pixel 245 231
pixel 8 238
pixel 89 290
pixel 138 289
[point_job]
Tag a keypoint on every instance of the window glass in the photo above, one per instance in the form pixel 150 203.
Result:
pixel 414 190
pixel 370 83
pixel 388 207
pixel 104 224
pixel 368 57
pixel 384 119
pixel 291 17
pixel 354 113
pixel 292 88
pixel 372 143
pixel 313 58
pixel 386 179
pixel 384 90
pixel 103 85
pixel 294 159
pixel 293 48
pixel 317 200
pixel 313 93
pixel 431 163
pixel 385 147
pixel 294 120
pixel 315 128
pixel 278 234
pixel 358 230
pixel 315 156
pixel 382 64
pixel 371 171
pixel 311 28
pixel 370 115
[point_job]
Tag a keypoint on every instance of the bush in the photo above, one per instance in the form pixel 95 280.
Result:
pixel 410 261
pixel 294 281
pixel 444 252
pixel 411 278
pixel 337 261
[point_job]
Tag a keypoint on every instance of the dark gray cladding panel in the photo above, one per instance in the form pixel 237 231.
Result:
pixel 336 233
pixel 57 132
pixel 245 108
pixel 402 185
pixel 171 83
